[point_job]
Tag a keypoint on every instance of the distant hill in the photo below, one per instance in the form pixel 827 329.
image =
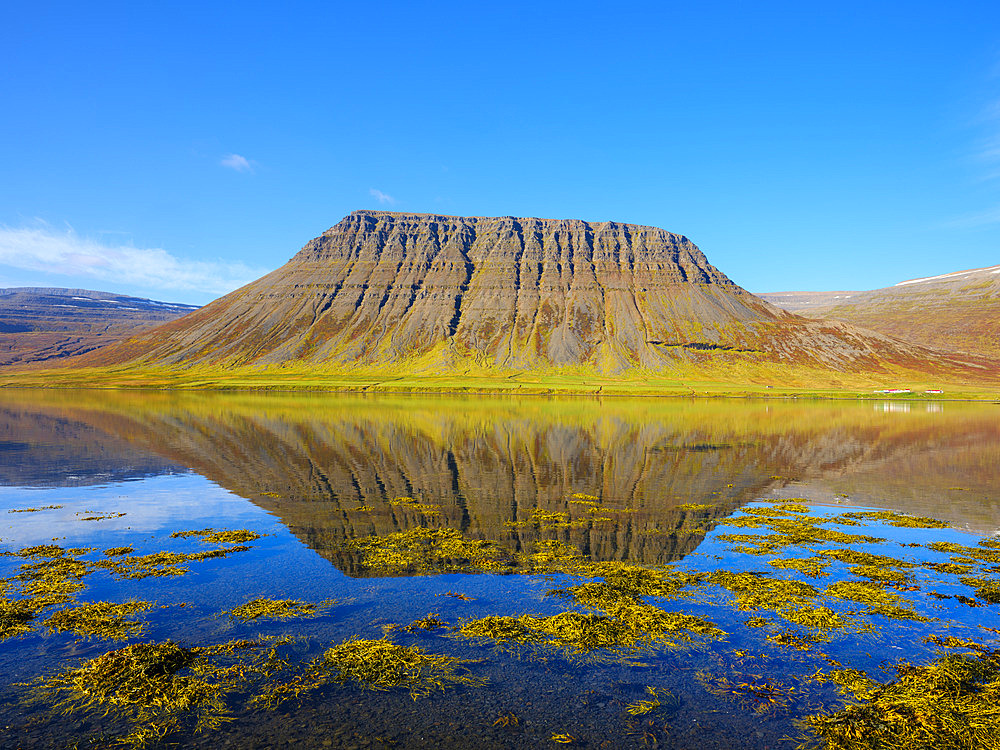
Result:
pixel 397 292
pixel 957 311
pixel 39 324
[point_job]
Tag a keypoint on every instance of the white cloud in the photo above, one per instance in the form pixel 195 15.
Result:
pixel 237 162
pixel 68 254
pixel 381 197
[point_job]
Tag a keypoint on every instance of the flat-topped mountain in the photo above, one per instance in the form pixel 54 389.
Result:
pixel 957 311
pixel 44 323
pixel 437 293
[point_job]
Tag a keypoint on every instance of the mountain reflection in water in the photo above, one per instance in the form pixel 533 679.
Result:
pixel 328 466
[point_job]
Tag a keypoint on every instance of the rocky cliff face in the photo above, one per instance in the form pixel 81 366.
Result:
pixel 434 293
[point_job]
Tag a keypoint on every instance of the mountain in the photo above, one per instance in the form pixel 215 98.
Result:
pixel 41 323
pixel 957 311
pixel 395 292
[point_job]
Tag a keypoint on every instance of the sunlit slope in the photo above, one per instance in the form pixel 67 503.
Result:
pixel 957 311
pixel 418 293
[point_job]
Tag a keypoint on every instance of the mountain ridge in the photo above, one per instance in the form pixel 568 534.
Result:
pixel 42 324
pixel 955 311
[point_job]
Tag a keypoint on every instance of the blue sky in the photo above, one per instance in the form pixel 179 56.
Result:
pixel 177 150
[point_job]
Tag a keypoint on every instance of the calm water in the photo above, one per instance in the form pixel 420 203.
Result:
pixel 646 482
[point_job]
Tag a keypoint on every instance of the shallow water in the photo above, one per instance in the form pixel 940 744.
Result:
pixel 647 482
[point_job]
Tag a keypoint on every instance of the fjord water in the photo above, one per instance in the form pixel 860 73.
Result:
pixel 644 482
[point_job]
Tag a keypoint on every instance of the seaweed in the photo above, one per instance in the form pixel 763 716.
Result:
pixel 42 550
pixel 428 622
pixel 159 688
pixel 104 620
pixel 949 704
pixel 813 567
pixel 15 617
pixel 987 589
pixel 656 700
pixel 375 665
pixel 277 609
pixel 214 536
pixel 546 521
pixel 876 600
pixel 231 537
pixel 561 738
pixel 624 583
pixel 892 518
pixel 100 516
pixel 626 630
pixel 788 530
pixel 758 591
pixel 53 580
pixel 425 550
pixel 191 532
pixel 160 564
pixel 141 684
pixel 763 696
pixel 457 595
pixel 34 510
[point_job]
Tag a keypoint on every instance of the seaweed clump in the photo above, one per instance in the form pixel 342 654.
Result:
pixel 140 683
pixel 424 550
pixel 15 617
pixel 376 665
pixel 892 518
pixel 161 564
pixel 987 589
pixel 542 520
pixel 34 510
pixel 277 609
pixel 640 707
pixel 762 696
pixel 627 584
pixel 54 579
pixel 625 631
pixel 159 688
pixel 950 704
pixel 101 516
pixel 788 529
pixel 100 620
pixel 876 599
pixel 226 536
pixel 430 621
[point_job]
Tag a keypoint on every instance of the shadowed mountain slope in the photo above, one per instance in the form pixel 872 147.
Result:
pixel 957 311
pixel 39 324
pixel 432 293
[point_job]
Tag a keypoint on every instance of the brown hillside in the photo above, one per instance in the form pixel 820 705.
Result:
pixel 435 293
pixel 957 311
pixel 42 324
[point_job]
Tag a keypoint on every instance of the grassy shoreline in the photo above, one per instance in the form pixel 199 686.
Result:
pixel 810 385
